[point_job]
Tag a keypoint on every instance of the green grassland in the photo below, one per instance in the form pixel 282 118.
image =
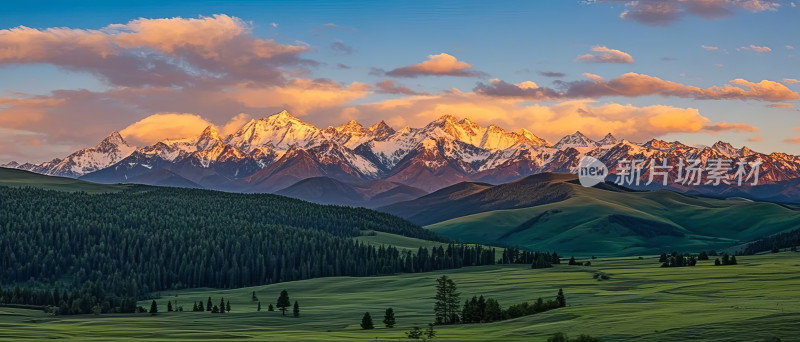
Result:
pixel 595 221
pixel 756 299
pixel 21 178
pixel 400 242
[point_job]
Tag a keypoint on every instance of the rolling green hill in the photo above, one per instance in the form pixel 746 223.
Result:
pixel 614 222
pixel 21 178
pixel 752 301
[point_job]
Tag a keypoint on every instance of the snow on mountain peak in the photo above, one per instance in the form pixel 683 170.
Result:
pixel 576 139
pixel 350 126
pixel 608 140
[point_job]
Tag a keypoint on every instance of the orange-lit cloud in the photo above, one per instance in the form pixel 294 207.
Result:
pixel 795 140
pixel 437 65
pixel 756 48
pixel 157 52
pixel 781 105
pixel 757 138
pixel 733 127
pixel 602 54
pixel 709 47
pixel 299 96
pixel 550 121
pixel 790 81
pixel 635 85
pixel 162 126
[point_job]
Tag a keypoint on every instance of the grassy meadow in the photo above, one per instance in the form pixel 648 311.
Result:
pixel 756 299
pixel 19 178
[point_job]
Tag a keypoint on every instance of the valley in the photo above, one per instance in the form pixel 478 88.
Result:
pixel 752 301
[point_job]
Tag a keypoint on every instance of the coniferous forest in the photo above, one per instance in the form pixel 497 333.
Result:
pixel 82 253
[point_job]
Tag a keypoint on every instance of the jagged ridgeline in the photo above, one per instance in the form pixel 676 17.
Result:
pixel 109 249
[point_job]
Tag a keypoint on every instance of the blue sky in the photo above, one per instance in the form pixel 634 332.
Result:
pixel 507 40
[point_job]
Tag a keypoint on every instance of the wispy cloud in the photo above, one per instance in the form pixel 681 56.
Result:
pixel 635 85
pixel 602 54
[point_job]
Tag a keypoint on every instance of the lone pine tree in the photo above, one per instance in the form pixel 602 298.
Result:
pixel 388 318
pixel 153 308
pixel 296 310
pixel 366 321
pixel 283 302
pixel 447 301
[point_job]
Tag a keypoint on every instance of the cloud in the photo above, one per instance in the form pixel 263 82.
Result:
pixel 781 105
pixel 790 81
pixel 342 48
pixel 662 13
pixel 757 138
pixel 162 126
pixel 437 65
pixel 390 87
pixel 759 49
pixel 602 54
pixel 551 74
pixel 299 96
pixel 795 140
pixel 709 47
pixel 80 118
pixel 157 52
pixel 550 121
pixel 235 123
pixel 733 127
pixel 636 85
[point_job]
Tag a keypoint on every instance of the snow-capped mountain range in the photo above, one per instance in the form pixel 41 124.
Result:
pixel 277 151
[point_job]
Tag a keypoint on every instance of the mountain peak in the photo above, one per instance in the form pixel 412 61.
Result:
pixel 446 118
pixel 209 138
pixel 576 139
pixel 381 130
pixel 350 126
pixel 115 138
pixel 609 139
pixel 210 131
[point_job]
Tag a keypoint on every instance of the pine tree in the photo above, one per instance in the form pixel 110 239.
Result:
pixel 153 308
pixel 200 307
pixel 209 304
pixel 447 301
pixel 415 333
pixel 270 307
pixel 255 299
pixel 194 307
pixel 228 306
pixel 572 261
pixel 221 305
pixel 169 306
pixel 562 301
pixel 430 333
pixel 493 310
pixel 215 310
pixel 296 310
pixel 366 321
pixel 259 306
pixel 283 302
pixel 388 318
